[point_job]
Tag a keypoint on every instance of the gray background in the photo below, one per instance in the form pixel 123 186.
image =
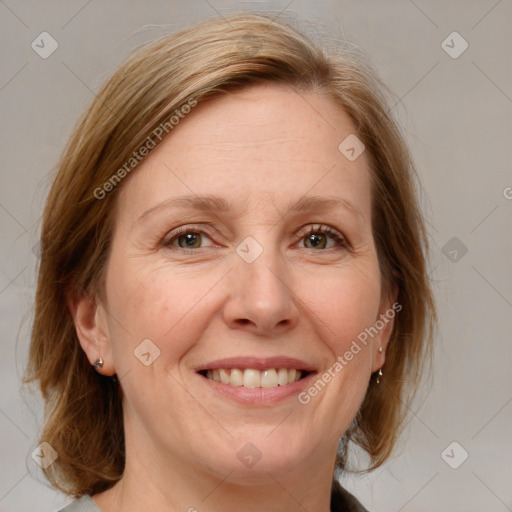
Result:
pixel 457 115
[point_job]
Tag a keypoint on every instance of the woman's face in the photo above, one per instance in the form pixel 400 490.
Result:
pixel 222 261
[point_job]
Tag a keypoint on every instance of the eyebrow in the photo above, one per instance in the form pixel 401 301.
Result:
pixel 210 202
pixel 321 203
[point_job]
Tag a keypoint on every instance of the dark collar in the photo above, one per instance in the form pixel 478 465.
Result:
pixel 343 501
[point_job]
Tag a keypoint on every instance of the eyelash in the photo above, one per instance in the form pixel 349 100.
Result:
pixel 319 228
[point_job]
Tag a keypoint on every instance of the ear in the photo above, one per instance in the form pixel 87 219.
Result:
pixel 389 308
pixel 90 319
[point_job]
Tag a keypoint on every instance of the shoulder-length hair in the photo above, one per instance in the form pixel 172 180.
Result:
pixel 83 409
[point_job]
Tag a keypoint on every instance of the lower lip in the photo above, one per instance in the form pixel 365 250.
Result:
pixel 259 396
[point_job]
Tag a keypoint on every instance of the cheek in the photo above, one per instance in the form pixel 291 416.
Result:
pixel 346 302
pixel 165 306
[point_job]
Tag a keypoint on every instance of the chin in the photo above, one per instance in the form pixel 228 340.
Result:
pixel 250 457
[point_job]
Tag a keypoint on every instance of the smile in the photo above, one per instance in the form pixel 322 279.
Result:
pixel 252 378
pixel 257 381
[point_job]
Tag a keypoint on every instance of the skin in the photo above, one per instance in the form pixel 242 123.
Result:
pixel 259 148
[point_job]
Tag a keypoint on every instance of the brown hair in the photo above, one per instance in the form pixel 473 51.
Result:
pixel 83 409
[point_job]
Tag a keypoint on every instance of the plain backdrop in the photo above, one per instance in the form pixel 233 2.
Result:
pixel 455 104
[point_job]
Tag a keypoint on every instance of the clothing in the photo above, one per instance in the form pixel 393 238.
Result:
pixel 341 501
pixel 83 504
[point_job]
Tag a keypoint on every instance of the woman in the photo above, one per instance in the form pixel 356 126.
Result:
pixel 233 282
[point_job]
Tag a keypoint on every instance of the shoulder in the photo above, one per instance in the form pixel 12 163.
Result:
pixel 83 504
pixel 343 501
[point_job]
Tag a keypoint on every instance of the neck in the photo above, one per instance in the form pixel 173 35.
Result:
pixel 152 481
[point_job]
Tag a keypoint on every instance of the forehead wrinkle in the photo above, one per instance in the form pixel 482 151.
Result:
pixel 272 141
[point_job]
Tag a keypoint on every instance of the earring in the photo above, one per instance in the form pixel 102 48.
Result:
pixel 98 363
pixel 380 349
pixel 379 375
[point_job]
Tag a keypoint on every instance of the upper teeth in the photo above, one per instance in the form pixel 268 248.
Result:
pixel 251 378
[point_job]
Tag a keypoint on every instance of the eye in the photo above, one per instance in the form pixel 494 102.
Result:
pixel 190 239
pixel 186 238
pixel 317 237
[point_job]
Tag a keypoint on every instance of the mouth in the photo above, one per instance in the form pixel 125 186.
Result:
pixel 256 381
pixel 253 378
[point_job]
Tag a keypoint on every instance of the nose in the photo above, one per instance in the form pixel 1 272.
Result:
pixel 261 299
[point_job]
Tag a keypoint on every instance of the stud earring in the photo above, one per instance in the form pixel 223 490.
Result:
pixel 380 349
pixel 98 363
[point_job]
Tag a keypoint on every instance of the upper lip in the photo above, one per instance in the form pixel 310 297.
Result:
pixel 257 363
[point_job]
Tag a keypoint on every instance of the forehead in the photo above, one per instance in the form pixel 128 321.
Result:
pixel 266 145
